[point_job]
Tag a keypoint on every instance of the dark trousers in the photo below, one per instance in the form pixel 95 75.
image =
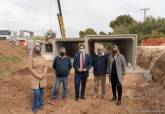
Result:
pixel 116 86
pixel 80 79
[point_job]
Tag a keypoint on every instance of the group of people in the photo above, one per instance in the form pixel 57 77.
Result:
pixel 113 65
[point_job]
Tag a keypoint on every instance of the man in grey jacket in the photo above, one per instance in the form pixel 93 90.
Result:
pixel 116 68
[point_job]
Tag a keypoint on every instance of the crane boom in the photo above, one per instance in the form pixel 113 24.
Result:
pixel 61 20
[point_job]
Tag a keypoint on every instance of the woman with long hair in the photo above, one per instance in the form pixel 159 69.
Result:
pixel 116 68
pixel 38 69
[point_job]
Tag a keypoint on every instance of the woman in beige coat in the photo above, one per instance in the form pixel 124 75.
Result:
pixel 38 69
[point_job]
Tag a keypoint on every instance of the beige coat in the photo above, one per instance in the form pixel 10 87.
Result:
pixel 38 68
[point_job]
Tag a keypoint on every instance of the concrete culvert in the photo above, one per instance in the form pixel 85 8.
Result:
pixel 71 45
pixel 126 43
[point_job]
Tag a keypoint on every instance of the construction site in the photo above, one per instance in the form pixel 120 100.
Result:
pixel 143 85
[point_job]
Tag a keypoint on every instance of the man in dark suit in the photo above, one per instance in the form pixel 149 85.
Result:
pixel 82 63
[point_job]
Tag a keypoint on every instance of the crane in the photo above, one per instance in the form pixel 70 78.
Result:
pixel 61 20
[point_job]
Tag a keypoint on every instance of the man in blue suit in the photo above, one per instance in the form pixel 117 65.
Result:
pixel 82 63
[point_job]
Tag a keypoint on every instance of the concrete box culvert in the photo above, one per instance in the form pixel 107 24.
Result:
pixel 71 45
pixel 126 42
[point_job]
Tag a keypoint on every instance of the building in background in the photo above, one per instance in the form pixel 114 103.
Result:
pixel 7 34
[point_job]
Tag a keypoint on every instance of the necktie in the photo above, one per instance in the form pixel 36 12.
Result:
pixel 82 61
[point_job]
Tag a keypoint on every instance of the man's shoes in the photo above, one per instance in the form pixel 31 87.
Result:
pixel 83 98
pixel 94 97
pixel 76 99
pixel 118 102
pixel 113 99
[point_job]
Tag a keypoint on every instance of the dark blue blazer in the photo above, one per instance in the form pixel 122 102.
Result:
pixel 88 63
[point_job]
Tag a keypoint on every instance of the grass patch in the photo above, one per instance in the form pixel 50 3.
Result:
pixel 10 59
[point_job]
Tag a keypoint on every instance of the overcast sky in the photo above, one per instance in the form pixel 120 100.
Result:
pixel 39 15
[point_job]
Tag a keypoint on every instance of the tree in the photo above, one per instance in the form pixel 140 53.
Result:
pixel 88 31
pixel 121 30
pixel 125 24
pixel 151 27
pixel 81 34
pixel 102 33
pixel 124 20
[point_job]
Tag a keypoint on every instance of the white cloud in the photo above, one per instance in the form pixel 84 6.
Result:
pixel 78 14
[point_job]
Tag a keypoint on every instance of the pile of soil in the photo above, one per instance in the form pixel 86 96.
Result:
pixel 146 55
pixel 12 57
pixel 153 58
pixel 158 70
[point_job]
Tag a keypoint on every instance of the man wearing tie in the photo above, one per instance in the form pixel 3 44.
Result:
pixel 82 63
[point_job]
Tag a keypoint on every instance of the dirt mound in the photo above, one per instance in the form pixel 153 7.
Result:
pixel 147 55
pixel 153 58
pixel 12 57
pixel 158 70
pixel 9 48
